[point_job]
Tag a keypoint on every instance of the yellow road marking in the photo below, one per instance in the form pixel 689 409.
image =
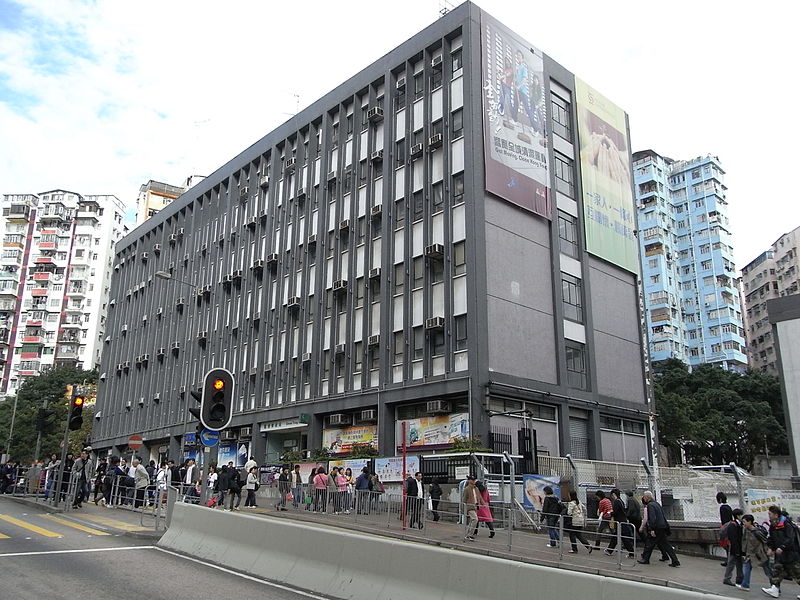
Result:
pixel 29 527
pixel 77 526
pixel 4 537
pixel 114 524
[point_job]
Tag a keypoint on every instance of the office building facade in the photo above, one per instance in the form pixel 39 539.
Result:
pixel 693 310
pixel 55 277
pixel 425 246
pixel 773 274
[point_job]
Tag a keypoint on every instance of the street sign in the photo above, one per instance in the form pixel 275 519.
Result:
pixel 209 438
pixel 135 442
pixel 190 439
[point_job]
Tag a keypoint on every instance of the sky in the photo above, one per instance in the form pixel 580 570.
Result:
pixel 100 97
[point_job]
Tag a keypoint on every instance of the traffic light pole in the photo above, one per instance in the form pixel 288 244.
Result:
pixel 64 448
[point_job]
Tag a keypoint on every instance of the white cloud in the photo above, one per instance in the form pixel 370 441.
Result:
pixel 128 92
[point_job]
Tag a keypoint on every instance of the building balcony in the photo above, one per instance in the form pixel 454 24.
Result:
pixel 48 245
pixel 53 216
pixel 33 339
pixel 39 292
pixel 45 276
pixel 69 338
pixel 8 275
pixel 73 308
pixel 76 291
pixel 29 355
pixel 44 260
pixel 15 259
pixel 9 291
pixel 72 324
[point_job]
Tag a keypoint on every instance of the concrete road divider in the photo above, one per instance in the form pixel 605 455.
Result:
pixel 357 566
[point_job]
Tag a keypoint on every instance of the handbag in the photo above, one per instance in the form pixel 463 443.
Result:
pixel 289 496
pixel 258 485
pixel 309 500
pixel 612 525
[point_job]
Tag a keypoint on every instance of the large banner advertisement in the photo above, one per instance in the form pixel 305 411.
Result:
pixel 533 486
pixel 391 469
pixel 434 431
pixel 514 118
pixel 759 501
pixel 606 177
pixel 339 441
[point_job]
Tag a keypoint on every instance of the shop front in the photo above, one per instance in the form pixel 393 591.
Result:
pixel 284 437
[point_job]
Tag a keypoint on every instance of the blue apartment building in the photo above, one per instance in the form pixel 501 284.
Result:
pixel 692 304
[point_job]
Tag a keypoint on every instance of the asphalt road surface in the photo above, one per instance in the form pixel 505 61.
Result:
pixel 52 557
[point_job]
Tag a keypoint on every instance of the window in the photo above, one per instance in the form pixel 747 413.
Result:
pixel 571 296
pixel 419 85
pixel 568 234
pixel 399 213
pixel 457 123
pixel 458 188
pixel 418 204
pixel 399 341
pixel 563 171
pixel 576 366
pixel 419 343
pixel 436 76
pixel 561 110
pixel 399 278
pixel 457 61
pixel 419 272
pixel 437 196
pixel 437 342
pixel 459 258
pixel 400 153
pixel 460 323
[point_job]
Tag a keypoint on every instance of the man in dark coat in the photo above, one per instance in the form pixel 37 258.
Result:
pixel 657 530
pixel 782 542
pixel 734 532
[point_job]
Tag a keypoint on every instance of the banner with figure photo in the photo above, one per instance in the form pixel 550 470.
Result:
pixel 533 490
pixel 608 205
pixel 514 118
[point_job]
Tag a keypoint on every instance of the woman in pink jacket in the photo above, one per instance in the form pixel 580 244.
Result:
pixel 320 482
pixel 484 512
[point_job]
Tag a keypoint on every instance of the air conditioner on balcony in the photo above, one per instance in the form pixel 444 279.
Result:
pixel 339 419
pixel 435 141
pixel 437 407
pixel 172 238
pixel 227 279
pixel 306 357
pixel 201 335
pixel 145 358
pixel 272 259
pixel 437 60
pixel 145 256
pixel 186 258
pixel 236 274
pixel 175 346
pixel 126 364
pixel 258 263
pixel 159 311
pixel 257 316
pixel 179 232
pixel 253 372
pixel 434 323
pixel 161 352
pixel 374 340
pixel 331 175
pixel 369 416
pixel 312 239
pixel 252 221
pixel 301 191
pixel 375 114
pixel 228 435
pixel 180 301
pixel 267 369
pixel 376 156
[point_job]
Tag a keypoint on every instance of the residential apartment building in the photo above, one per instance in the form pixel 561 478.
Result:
pixel 693 310
pixel 423 246
pixel 773 274
pixel 153 197
pixel 55 273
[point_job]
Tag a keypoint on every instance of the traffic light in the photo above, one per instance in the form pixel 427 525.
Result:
pixel 43 419
pixel 75 409
pixel 216 404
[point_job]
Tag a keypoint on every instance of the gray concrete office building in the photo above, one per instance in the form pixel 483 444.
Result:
pixel 424 244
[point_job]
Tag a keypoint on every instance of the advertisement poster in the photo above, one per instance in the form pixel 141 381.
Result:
pixel 608 204
pixel 341 440
pixel 354 464
pixel 533 488
pixel 514 118
pixel 268 474
pixel 226 454
pixel 434 431
pixel 306 468
pixel 759 501
pixel 391 469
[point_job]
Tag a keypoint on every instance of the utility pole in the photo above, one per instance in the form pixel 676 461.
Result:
pixel 39 436
pixel 11 429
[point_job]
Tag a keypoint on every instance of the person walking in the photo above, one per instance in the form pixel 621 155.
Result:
pixel 102 468
pixel 234 488
pixel 754 550
pixel 222 485
pixel 633 511
pixel 82 471
pixel 604 513
pixel 296 483
pixel 140 482
pixel 283 489
pixel 576 516
pixel 251 485
pixel 484 510
pixel 248 466
pixel 725 517
pixel 782 542
pixel 51 474
pixel 415 496
pixel 363 489
pixel 620 519
pixel 657 531
pixel 471 500
pixel 435 492
pixel 551 511
pixel 734 533
pixel 163 478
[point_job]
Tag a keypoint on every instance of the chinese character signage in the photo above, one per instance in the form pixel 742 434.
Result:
pixel 339 441
pixel 606 177
pixel 434 431
pixel 391 469
pixel 514 123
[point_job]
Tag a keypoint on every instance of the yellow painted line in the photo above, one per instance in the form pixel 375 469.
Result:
pixel 4 537
pixel 113 523
pixel 29 527
pixel 77 526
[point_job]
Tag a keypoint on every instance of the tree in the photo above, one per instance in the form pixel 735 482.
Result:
pixel 717 416
pixel 50 386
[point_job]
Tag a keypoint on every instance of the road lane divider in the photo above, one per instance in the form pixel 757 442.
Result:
pixel 74 525
pixel 30 527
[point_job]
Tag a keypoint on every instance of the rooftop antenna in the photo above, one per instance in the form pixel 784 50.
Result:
pixel 296 104
pixel 445 7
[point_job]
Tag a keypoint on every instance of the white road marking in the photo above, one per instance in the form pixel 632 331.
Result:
pixel 45 552
pixel 242 575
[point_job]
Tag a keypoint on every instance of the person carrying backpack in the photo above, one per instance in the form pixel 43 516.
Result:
pixel 783 544
pixel 754 550
pixel 734 534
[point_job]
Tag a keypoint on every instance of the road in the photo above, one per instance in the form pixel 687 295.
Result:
pixel 55 556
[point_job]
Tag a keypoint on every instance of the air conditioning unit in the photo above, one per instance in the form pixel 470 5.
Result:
pixel 301 191
pixel 376 211
pixel 199 292
pixel 157 398
pixel 434 323
pixel 126 364
pixel 119 367
pixel 253 372
pixel 206 289
pixel 416 150
pixel 161 352
pixel 290 163
pixel 233 233
pixel 244 193
pixel 145 256
pixel 257 316
pixel 340 348
pixel 228 435
pixel 263 181
pixel 376 156
pixel 312 239
pixel 401 83
pixel 437 61
pixel 339 419
pixel 180 301
pixel 293 302
pixel 331 175
pixel 175 346
pixel 221 239
pixel 128 293
pixel 434 251
pixel 179 233
pixel 306 357
pixel 236 274
pixel 437 407
pixel 435 141
pixel 272 259
pixel 202 335
pixel 182 390
pixel 369 416
pixel 203 248
pixel 186 258
pixel 252 221
pixel 172 238
pixel 340 285
pixel 128 405
pixel 159 311
pixel 375 273
pixel 267 369
pixel 344 224
pixel 374 340
pixel 124 329
pixel 156 248
pixel 258 263
pixel 375 114
pixel 145 358
pixel 245 432
pixel 227 279
pixel 116 267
